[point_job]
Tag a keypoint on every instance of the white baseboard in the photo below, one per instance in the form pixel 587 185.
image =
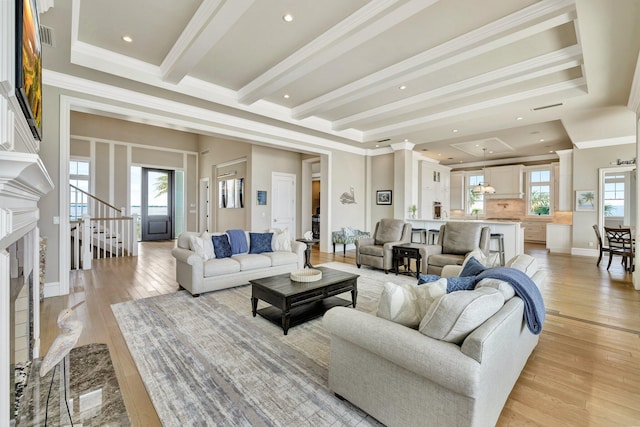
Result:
pixel 52 289
pixel 585 252
pixel 560 250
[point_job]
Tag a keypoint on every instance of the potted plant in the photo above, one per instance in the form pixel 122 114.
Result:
pixel 413 209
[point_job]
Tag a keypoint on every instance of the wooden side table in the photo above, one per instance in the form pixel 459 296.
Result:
pixel 407 251
pixel 307 251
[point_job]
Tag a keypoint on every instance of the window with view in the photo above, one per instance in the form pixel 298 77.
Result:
pixel 79 178
pixel 614 196
pixel 476 201
pixel 540 192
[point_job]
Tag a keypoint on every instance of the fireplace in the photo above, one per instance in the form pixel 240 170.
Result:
pixel 23 181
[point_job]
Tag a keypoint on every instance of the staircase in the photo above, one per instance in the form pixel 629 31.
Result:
pixel 99 230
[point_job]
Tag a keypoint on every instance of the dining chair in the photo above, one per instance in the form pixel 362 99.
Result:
pixel 620 243
pixel 601 247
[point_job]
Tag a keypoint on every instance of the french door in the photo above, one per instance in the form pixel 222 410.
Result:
pixel 157 209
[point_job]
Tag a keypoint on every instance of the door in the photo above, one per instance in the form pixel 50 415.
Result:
pixel 283 207
pixel 157 204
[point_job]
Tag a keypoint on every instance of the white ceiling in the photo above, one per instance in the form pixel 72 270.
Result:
pixel 472 72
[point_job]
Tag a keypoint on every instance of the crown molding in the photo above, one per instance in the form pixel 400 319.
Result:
pixel 606 142
pixel 402 146
pixel 190 118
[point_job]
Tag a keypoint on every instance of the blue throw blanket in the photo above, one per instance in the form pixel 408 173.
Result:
pixel 526 289
pixel 238 241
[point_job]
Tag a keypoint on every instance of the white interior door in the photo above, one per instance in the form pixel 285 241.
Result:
pixel 283 208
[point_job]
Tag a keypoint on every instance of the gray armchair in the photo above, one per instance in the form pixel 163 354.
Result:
pixel 377 251
pixel 455 241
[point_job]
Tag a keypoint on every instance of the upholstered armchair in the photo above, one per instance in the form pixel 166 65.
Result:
pixel 377 251
pixel 455 241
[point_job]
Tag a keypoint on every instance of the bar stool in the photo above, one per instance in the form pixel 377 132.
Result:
pixel 432 237
pixel 500 238
pixel 422 237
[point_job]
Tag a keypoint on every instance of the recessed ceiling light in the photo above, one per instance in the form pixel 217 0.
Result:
pixel 455 130
pixel 519 118
pixel 286 96
pixel 377 146
pixel 288 17
pixel 460 161
pixel 128 39
pixel 551 151
pixel 403 87
pixel 490 152
pixel 541 139
pixel 406 140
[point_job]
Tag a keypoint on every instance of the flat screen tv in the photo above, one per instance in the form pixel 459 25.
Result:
pixel 29 64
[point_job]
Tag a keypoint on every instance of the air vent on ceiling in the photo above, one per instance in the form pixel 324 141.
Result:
pixel 46 36
pixel 385 140
pixel 547 106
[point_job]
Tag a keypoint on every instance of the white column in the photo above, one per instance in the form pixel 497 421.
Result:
pixel 565 180
pixel 403 178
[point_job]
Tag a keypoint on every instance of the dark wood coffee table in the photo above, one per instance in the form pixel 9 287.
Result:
pixel 293 303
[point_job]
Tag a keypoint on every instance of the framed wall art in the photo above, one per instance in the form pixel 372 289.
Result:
pixel 585 200
pixel 383 197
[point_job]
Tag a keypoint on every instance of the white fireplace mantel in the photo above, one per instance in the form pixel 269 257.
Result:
pixel 23 181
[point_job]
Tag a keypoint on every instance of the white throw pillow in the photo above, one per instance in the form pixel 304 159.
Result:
pixel 407 304
pixel 398 303
pixel 454 316
pixel 281 240
pixel 202 246
pixel 207 243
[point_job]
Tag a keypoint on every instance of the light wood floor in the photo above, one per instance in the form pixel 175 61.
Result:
pixel 585 370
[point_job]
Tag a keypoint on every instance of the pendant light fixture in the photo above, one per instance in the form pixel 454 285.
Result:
pixel 484 187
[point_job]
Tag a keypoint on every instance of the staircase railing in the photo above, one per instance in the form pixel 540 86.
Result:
pixel 99 230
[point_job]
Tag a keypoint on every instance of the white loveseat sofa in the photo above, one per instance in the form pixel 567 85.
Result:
pixel 405 378
pixel 198 275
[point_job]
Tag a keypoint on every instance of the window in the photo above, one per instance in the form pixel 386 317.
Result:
pixel 614 195
pixel 78 177
pixel 475 203
pixel 539 194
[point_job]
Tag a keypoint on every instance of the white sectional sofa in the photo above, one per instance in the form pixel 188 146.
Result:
pixel 198 275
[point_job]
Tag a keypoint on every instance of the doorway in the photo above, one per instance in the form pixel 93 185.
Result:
pixel 283 206
pixel 157 208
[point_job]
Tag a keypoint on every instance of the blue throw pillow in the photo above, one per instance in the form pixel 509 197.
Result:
pixel 221 246
pixel 260 242
pixel 460 283
pixel 473 267
pixel 427 278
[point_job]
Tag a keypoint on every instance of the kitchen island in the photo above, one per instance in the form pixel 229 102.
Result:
pixel 512 231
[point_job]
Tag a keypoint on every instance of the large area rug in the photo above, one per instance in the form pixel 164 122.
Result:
pixel 207 361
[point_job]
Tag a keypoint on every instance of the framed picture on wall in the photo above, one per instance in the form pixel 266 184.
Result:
pixel 585 200
pixel 383 197
pixel 261 197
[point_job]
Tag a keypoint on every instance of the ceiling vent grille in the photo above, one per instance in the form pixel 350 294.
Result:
pixel 46 36
pixel 547 106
